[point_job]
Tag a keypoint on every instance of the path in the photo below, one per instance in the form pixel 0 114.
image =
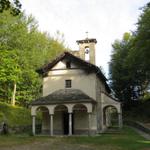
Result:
pixel 143 134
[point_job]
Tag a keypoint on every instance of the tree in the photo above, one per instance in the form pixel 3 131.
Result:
pixel 129 65
pixel 138 57
pixel 14 6
pixel 20 37
pixel 9 74
pixel 141 49
pixel 119 74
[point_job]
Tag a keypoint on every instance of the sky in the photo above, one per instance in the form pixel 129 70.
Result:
pixel 105 20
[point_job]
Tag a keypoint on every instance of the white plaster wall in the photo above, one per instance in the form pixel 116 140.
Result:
pixel 80 80
pixel 100 87
pixel 45 121
pixel 93 121
pixel 62 65
pixel 80 120
pixel 98 112
pixel 58 123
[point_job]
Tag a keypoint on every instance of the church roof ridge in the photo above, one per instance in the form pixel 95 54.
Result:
pixel 89 66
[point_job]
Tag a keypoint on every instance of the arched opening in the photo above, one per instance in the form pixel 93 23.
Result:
pixel 42 120
pixel 80 120
pixel 61 120
pixel 110 116
pixel 87 53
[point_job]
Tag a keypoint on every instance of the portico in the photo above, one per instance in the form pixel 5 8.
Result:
pixel 64 118
pixel 70 112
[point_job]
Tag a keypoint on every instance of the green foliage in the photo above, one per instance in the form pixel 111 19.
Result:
pixel 139 113
pixel 147 96
pixel 129 66
pixel 14 116
pixel 119 72
pixel 13 6
pixel 141 49
pixel 9 72
pixel 23 49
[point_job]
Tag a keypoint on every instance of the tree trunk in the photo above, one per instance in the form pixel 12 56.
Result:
pixel 13 95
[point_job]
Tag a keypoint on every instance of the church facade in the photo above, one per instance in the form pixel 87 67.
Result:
pixel 76 97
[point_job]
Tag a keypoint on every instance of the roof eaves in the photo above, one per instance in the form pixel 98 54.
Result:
pixel 48 66
pixel 63 102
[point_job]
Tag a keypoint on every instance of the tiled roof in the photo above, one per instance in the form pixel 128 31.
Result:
pixel 64 96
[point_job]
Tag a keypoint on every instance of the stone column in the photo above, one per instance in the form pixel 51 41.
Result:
pixel 103 119
pixel 89 124
pixel 51 125
pixel 108 118
pixel 70 123
pixel 33 125
pixel 120 120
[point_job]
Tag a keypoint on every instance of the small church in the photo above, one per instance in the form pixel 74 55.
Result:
pixel 76 97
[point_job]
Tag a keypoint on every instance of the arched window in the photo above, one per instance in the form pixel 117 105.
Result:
pixel 87 53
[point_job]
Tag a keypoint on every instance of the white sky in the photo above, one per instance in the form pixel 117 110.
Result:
pixel 105 20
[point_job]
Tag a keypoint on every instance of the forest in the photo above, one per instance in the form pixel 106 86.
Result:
pixel 23 49
pixel 129 70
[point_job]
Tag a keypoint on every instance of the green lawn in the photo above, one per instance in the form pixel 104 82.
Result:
pixel 14 115
pixel 127 139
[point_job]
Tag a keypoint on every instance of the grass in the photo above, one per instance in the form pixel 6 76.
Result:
pixel 14 115
pixel 126 139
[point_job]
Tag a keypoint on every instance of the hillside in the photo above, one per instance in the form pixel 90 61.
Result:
pixel 140 112
pixel 14 115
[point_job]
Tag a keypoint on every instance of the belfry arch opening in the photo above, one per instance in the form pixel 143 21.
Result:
pixel 87 54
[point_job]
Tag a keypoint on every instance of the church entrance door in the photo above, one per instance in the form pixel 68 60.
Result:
pixel 66 123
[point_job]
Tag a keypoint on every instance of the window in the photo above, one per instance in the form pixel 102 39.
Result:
pixel 87 53
pixel 68 83
pixel 68 64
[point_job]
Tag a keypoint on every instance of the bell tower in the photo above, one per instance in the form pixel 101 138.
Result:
pixel 87 49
